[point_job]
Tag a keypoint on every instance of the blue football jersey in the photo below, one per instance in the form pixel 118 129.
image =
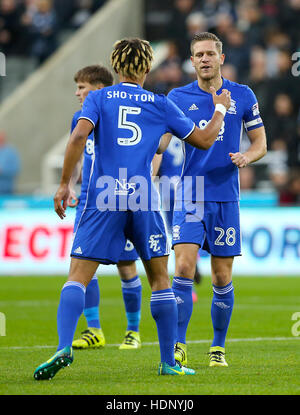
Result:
pixel 87 158
pixel 221 176
pixel 172 159
pixel 128 124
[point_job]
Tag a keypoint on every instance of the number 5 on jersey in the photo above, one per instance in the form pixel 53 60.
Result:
pixel 129 125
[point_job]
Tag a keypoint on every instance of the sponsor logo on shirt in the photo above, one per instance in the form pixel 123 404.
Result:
pixel 124 188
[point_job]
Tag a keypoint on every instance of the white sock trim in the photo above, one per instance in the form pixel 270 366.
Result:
pixel 74 284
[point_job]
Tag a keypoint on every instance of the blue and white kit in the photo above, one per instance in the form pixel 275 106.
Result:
pixel 215 226
pixel 122 202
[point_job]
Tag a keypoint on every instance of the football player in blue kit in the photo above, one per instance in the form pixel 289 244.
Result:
pixel 91 78
pixel 169 164
pixel 217 228
pixel 122 202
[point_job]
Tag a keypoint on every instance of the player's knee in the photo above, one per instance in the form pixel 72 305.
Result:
pixel 185 268
pixel 221 278
pixel 127 270
pixel 160 282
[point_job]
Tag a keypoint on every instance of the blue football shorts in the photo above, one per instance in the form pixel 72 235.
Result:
pixel 102 235
pixel 214 226
pixel 128 253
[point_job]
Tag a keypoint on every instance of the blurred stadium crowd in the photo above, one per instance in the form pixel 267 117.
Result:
pixel 259 39
pixel 32 27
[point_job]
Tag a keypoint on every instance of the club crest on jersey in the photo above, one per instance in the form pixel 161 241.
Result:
pixel 176 232
pixel 129 246
pixel 122 187
pixel 232 109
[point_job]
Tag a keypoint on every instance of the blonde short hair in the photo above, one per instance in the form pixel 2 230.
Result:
pixel 199 37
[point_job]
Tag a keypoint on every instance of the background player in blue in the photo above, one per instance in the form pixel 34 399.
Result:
pixel 128 123
pixel 218 231
pixel 170 164
pixel 91 78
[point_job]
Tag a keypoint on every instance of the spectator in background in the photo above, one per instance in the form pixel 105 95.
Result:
pixel 229 72
pixel 177 25
pixel 9 166
pixel 282 121
pixel 9 26
pixel 278 167
pixel 258 77
pixel 251 21
pixel 169 74
pixel 281 126
pixel 237 52
pixel 289 18
pixel 223 23
pixel 294 147
pixel 290 193
pixel 43 27
pixel 83 12
pixel 247 178
pixel 212 8
pixel 194 23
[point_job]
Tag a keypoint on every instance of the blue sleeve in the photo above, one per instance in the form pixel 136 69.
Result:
pixel 251 117
pixel 172 96
pixel 74 122
pixel 177 123
pixel 90 110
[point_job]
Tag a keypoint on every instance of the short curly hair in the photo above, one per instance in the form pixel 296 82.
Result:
pixel 132 58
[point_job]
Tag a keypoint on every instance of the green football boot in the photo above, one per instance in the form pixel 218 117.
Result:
pixel 165 369
pixel 61 359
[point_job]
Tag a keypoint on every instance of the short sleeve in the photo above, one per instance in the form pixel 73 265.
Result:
pixel 74 122
pixel 177 122
pixel 251 117
pixel 90 110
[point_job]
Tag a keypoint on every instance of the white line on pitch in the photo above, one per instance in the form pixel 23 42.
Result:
pixel 254 339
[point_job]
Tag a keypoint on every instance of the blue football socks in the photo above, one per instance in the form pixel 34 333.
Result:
pixel 70 308
pixel 164 311
pixel 92 301
pixel 132 296
pixel 221 310
pixel 183 291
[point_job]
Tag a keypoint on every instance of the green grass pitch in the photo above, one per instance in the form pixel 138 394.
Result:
pixel 262 353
